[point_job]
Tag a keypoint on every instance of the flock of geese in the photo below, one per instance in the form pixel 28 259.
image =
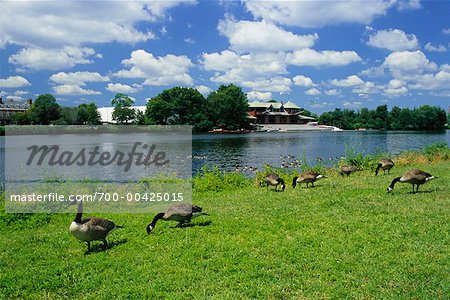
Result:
pixel 97 229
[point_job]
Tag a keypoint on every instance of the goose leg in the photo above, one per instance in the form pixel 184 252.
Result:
pixel 89 246
pixel 312 183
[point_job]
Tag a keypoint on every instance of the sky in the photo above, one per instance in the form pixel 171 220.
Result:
pixel 320 55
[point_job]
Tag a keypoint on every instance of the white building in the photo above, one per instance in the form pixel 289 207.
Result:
pixel 107 111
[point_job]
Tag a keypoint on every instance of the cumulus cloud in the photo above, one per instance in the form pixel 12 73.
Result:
pixel 203 89
pixel 56 24
pixel 261 96
pixel 70 89
pixel 310 14
pixel 303 81
pixel 395 88
pixel 77 78
pixel 406 65
pixel 14 82
pixel 275 84
pixel 161 70
pixel 393 40
pixel 313 92
pixel 440 80
pixel 121 88
pixel 366 88
pixel 446 31
pixel 310 57
pixel 265 36
pixel 438 48
pixel 350 104
pixel 52 59
pixel 351 80
pixel 332 92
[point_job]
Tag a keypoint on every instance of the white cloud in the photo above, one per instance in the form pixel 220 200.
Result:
pixel 222 61
pixel 189 40
pixel 349 104
pixel 52 59
pixel 320 104
pixel 275 84
pixel 408 64
pixel 394 40
pixel 257 36
pixel 395 88
pixel 69 89
pixel 440 80
pixel 312 14
pixel 313 92
pixel 332 92
pixel 121 88
pixel 438 48
pixel 21 93
pixel 310 57
pixel 77 78
pixel 14 98
pixel 303 81
pixel 203 89
pixel 263 96
pixel 409 5
pixel 351 80
pixel 56 24
pixel 366 88
pixel 446 31
pixel 156 71
pixel 14 82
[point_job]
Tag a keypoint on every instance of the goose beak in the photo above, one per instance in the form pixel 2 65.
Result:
pixel 389 189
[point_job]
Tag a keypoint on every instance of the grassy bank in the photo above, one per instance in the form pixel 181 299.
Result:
pixel 346 238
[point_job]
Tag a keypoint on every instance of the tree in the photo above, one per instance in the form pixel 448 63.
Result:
pixel 68 116
pixel 22 118
pixel 93 117
pixel 45 110
pixel 123 113
pixel 180 106
pixel 227 107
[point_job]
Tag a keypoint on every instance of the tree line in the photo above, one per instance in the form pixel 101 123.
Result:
pixel 422 118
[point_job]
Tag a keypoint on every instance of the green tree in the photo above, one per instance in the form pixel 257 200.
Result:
pixel 44 110
pixel 68 116
pixel 227 107
pixel 22 118
pixel 178 105
pixel 93 115
pixel 123 113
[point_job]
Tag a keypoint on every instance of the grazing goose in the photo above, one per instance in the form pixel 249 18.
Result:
pixel 181 213
pixel 306 177
pixel 385 165
pixel 415 177
pixel 91 229
pixel 274 180
pixel 348 169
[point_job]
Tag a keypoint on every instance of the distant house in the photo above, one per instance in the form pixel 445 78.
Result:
pixel 277 113
pixel 106 113
pixel 9 108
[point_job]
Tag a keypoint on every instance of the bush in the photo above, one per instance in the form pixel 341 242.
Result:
pixel 212 179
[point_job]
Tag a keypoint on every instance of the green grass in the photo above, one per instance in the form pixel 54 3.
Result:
pixel 346 238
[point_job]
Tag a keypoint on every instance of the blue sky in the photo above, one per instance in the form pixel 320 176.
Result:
pixel 318 54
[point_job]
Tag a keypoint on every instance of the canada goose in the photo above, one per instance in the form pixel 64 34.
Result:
pixel 274 180
pixel 181 213
pixel 91 229
pixel 348 169
pixel 306 177
pixel 385 165
pixel 415 177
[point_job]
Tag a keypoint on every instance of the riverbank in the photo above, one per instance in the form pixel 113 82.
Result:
pixel 345 238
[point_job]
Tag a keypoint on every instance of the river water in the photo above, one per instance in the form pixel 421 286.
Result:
pixel 256 149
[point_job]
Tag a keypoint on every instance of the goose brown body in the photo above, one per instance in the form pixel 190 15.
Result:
pixel 348 169
pixel 306 177
pixel 385 165
pixel 91 229
pixel 274 180
pixel 415 177
pixel 181 213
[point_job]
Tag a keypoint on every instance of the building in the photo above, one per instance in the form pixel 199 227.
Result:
pixel 106 113
pixel 9 108
pixel 276 113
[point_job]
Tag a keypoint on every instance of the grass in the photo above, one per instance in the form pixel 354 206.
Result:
pixel 345 238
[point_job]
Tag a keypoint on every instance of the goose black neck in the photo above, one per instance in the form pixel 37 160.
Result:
pixel 155 219
pixel 294 182
pixel 80 213
pixel 378 169
pixel 394 181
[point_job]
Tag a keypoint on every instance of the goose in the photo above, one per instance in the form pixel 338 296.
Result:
pixel 91 229
pixel 348 169
pixel 181 213
pixel 415 177
pixel 274 180
pixel 306 177
pixel 385 165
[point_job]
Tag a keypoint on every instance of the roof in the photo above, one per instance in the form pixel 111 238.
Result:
pixel 290 104
pixel 275 105
pixel 256 104
pixel 305 117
